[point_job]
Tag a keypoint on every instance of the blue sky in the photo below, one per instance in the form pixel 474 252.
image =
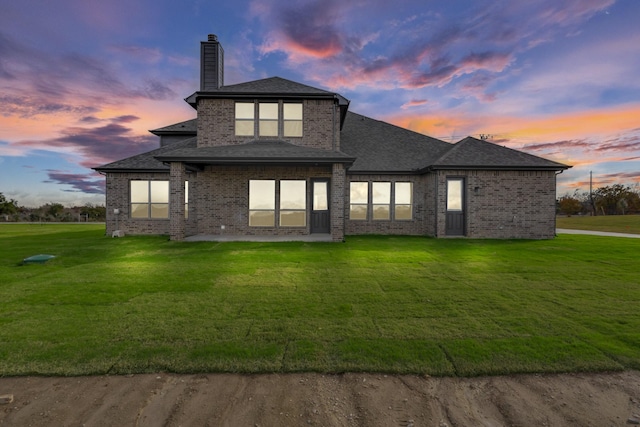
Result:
pixel 82 81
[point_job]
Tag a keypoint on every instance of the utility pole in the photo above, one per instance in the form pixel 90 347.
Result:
pixel 593 207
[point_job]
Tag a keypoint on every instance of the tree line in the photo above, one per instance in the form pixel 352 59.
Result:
pixel 614 199
pixel 11 211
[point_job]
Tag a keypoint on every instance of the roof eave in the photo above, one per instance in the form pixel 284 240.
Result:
pixel 131 170
pixel 255 160
pixel 501 168
pixel 193 99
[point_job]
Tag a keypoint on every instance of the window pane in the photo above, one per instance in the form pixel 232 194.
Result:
pixel 262 218
pixel 159 210
pixel 268 128
pixel 186 199
pixel 139 210
pixel 244 127
pixel 358 212
pixel 244 110
pixel 380 211
pixel 293 218
pixel 268 111
pixel 381 192
pixel 262 194
pixel 403 212
pixel 320 196
pixel 159 191
pixel 292 111
pixel 454 195
pixel 359 192
pixel 293 128
pixel 139 191
pixel 293 194
pixel 404 193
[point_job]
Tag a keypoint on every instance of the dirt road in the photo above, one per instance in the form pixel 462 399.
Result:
pixel 322 400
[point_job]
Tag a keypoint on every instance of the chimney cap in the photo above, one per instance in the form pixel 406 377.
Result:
pixel 212 38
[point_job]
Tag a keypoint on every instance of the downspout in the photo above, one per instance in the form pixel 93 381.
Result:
pixel 333 124
pixel 437 212
pixel 555 214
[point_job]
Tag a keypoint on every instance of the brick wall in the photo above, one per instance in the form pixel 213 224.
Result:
pixel 117 197
pixel 504 204
pixel 219 196
pixel 216 125
pixel 423 208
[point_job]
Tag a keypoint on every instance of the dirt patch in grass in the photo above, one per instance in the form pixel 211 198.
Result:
pixel 322 400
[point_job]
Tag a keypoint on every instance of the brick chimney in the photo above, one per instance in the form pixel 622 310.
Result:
pixel 211 64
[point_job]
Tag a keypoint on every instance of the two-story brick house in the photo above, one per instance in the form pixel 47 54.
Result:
pixel 278 158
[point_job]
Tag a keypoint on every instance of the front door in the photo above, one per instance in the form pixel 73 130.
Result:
pixel 455 219
pixel 320 209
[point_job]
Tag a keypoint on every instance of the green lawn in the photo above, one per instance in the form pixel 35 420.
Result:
pixel 380 304
pixel 614 223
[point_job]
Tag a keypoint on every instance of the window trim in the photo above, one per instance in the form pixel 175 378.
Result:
pixel 365 204
pixel 374 204
pixel 150 202
pixel 256 120
pixel 396 204
pixel 285 210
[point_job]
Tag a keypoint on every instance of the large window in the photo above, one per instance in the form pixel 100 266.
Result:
pixel 274 119
pixel 403 208
pixel 358 199
pixel 381 200
pixel 149 199
pixel 245 113
pixel 268 113
pixel 262 203
pixel 293 203
pixel 292 116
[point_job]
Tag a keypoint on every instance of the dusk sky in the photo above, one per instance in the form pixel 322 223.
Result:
pixel 82 81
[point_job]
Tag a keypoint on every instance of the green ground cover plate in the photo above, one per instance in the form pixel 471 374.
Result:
pixel 38 259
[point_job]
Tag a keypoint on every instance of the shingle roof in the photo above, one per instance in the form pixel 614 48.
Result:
pixel 146 162
pixel 254 152
pixel 273 85
pixel 381 147
pixel 189 126
pixel 371 145
pixel 473 153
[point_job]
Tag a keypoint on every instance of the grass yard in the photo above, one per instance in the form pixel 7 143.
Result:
pixel 379 304
pixel 612 223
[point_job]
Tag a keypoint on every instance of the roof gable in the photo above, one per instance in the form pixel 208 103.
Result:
pixel 273 85
pixel 381 147
pixel 188 127
pixel 473 153
pixel 146 162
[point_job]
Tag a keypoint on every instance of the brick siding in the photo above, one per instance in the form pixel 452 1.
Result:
pixel 504 204
pixel 423 208
pixel 216 125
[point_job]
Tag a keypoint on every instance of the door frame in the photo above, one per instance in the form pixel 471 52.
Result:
pixel 315 214
pixel 456 219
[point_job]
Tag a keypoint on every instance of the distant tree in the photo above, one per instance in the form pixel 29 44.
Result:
pixel 616 199
pixel 93 212
pixel 53 210
pixel 7 207
pixel 570 205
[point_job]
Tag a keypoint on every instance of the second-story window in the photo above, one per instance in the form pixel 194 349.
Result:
pixel 245 114
pixel 292 116
pixel 268 113
pixel 273 119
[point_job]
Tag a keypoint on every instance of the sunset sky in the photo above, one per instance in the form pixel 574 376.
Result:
pixel 82 81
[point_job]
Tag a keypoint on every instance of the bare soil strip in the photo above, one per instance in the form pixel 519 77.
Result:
pixel 606 399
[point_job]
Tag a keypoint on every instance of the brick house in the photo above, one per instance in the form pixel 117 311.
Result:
pixel 274 157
